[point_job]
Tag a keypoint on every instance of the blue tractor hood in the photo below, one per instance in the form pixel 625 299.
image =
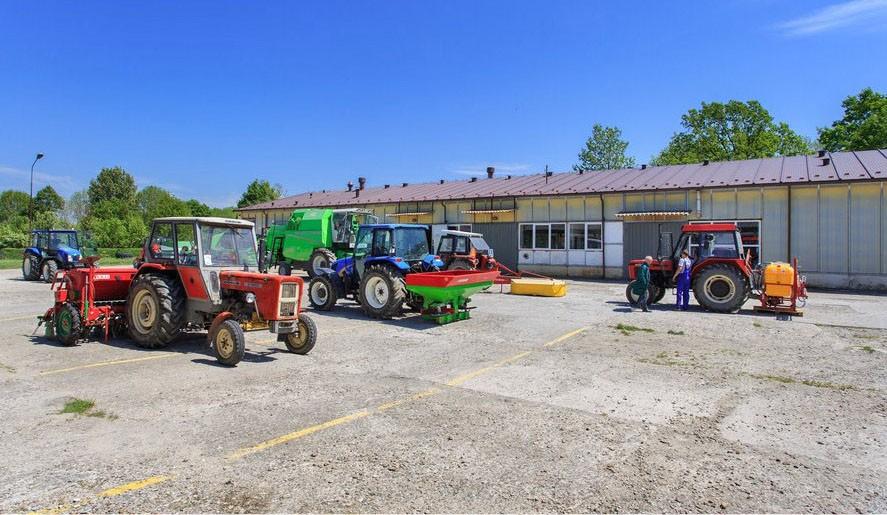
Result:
pixel 68 254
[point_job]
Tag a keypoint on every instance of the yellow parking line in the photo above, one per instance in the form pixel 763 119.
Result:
pixel 296 435
pixel 240 453
pixel 111 492
pixel 108 363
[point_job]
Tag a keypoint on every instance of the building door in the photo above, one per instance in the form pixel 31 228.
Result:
pixel 642 238
pixel 502 238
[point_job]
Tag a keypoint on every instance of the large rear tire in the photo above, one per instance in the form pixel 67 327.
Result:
pixel 320 258
pixel 721 288
pixel 229 343
pixel 302 341
pixel 322 293
pixel 155 310
pixel 460 264
pixel 382 292
pixel 48 270
pixel 30 267
pixel 68 325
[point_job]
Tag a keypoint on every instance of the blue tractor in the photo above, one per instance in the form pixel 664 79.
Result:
pixel 373 275
pixel 50 251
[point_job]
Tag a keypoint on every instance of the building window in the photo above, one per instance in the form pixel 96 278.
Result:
pixel 749 231
pixel 558 236
pixel 526 236
pixel 459 227
pixel 541 236
pixel 586 236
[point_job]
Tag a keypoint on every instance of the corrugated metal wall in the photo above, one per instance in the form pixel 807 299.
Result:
pixel 503 238
pixel 642 238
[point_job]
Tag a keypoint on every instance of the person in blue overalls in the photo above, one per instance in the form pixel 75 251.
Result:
pixel 682 278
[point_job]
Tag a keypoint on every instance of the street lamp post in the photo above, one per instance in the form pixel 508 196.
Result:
pixel 31 199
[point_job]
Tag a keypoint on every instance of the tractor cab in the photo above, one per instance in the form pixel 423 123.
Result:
pixel 402 245
pixel 706 241
pixel 461 250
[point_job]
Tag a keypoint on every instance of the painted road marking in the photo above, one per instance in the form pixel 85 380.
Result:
pixel 109 363
pixel 240 453
pixel 111 492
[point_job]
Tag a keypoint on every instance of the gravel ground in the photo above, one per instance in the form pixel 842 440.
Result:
pixel 730 413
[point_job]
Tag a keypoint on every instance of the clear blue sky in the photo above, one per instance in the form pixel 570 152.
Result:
pixel 202 97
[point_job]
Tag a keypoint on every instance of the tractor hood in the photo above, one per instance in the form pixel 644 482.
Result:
pixel 68 254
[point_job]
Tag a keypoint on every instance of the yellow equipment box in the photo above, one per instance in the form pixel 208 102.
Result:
pixel 778 280
pixel 539 287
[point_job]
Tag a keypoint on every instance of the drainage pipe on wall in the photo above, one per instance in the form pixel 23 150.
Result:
pixel 603 239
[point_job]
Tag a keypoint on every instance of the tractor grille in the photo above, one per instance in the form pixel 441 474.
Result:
pixel 289 291
pixel 287 309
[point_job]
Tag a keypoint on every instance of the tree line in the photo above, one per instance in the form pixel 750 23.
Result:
pixel 111 212
pixel 744 130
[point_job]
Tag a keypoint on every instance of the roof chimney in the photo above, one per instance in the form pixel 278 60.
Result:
pixel 473 179
pixel 350 185
pixel 441 181
pixel 387 186
pixel 705 162
pixel 490 171
pixel 826 161
pixel 361 183
pixel 507 177
pixel 643 167
pixel 820 153
pixel 404 185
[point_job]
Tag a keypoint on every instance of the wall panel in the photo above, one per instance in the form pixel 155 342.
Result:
pixel 833 226
pixel 805 226
pixel 865 228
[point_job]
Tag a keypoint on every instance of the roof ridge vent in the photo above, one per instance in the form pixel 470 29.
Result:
pixel 705 162
pixel 442 181
pixel 473 179
pixel 820 153
pixel 826 161
pixel 643 166
pixel 404 185
pixel 387 186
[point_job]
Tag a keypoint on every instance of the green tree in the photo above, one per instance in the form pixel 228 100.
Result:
pixel 75 208
pixel 155 202
pixel 13 203
pixel 112 184
pixel 863 127
pixel 735 130
pixel 198 208
pixel 48 201
pixel 604 150
pixel 258 192
pixel 222 212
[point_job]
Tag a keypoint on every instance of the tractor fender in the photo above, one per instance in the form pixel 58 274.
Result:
pixel 217 322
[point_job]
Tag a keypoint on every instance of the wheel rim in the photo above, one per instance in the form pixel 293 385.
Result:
pixel 224 342
pixel 319 293
pixel 145 310
pixel 26 266
pixel 319 262
pixel 65 323
pixel 46 271
pixel 376 292
pixel 297 341
pixel 720 288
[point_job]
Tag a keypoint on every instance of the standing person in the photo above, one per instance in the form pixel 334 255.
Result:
pixel 682 277
pixel 641 286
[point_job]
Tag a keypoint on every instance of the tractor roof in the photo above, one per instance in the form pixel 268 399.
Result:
pixel 214 220
pixel 395 226
pixel 462 233
pixel 709 228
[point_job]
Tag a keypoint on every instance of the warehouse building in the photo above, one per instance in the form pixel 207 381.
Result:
pixel 827 209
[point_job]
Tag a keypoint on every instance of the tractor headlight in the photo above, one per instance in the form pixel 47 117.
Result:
pixel 70 258
pixel 250 298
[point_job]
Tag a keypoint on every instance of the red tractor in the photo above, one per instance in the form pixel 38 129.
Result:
pixel 721 277
pixel 465 251
pixel 193 273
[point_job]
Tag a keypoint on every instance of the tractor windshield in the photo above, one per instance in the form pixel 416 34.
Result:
pixel 228 246
pixel 411 243
pixel 52 240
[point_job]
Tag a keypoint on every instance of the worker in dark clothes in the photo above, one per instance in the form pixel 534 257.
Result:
pixel 682 278
pixel 641 286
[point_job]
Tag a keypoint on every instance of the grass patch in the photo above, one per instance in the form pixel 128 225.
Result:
pixel 867 348
pixel 85 407
pixel 675 333
pixel 667 359
pixel 627 329
pixel 806 382
pixel 8 264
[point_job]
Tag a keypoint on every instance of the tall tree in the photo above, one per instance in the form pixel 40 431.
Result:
pixel 48 201
pixel 75 208
pixel 156 202
pixel 112 184
pixel 863 127
pixel 604 150
pixel 735 130
pixel 258 192
pixel 13 203
pixel 198 208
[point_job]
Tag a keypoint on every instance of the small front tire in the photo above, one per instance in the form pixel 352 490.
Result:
pixel 68 325
pixel 320 258
pixel 49 269
pixel 321 293
pixel 303 341
pixel 229 343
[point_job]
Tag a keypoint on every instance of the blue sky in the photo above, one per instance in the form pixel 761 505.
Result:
pixel 202 97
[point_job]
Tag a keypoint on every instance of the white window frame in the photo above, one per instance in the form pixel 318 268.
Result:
pixel 585 226
pixel 744 246
pixel 459 227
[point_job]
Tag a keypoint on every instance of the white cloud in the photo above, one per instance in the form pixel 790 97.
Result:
pixel 63 184
pixel 853 13
pixel 481 170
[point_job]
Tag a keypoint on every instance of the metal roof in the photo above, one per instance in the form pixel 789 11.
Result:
pixel 829 167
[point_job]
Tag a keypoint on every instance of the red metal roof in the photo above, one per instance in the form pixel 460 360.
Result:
pixel 831 167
